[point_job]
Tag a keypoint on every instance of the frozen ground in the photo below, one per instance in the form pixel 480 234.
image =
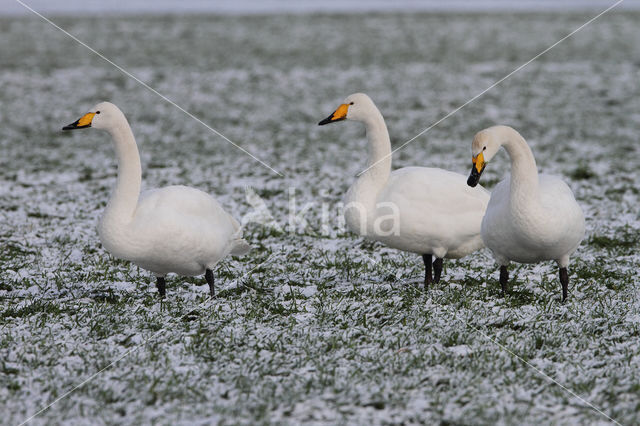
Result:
pixel 330 329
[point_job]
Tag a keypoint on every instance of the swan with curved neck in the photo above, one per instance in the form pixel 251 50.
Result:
pixel 530 217
pixel 428 211
pixel 172 229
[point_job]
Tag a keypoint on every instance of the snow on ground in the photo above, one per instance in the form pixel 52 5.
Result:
pixel 314 327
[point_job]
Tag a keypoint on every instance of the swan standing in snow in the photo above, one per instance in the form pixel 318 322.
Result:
pixel 173 229
pixel 530 217
pixel 434 212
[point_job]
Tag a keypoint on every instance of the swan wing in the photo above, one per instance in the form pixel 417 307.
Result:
pixel 437 209
pixel 179 222
pixel 183 200
pixel 440 191
pixel 558 199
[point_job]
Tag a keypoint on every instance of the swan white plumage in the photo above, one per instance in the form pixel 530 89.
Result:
pixel 530 217
pixel 428 211
pixel 173 229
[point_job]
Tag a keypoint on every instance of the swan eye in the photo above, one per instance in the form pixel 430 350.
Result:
pixel 97 112
pixel 351 103
pixel 484 148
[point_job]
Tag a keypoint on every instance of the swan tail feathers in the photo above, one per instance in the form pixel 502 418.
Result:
pixel 239 247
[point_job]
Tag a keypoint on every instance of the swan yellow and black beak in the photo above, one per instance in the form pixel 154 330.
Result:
pixel 338 115
pixel 81 123
pixel 476 170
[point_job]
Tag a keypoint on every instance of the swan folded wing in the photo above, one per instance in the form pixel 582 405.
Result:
pixel 434 192
pixel 559 200
pixel 185 244
pixel 189 220
pixel 182 199
pixel 437 207
pixel 552 187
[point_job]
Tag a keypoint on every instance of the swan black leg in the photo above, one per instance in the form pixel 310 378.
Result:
pixel 437 269
pixel 504 278
pixel 208 275
pixel 426 258
pixel 564 280
pixel 162 286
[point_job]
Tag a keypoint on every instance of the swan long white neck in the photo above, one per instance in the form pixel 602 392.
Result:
pixel 524 172
pixel 363 194
pixel 379 158
pixel 124 199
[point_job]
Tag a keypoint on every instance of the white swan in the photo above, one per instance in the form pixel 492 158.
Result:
pixel 422 210
pixel 530 217
pixel 172 229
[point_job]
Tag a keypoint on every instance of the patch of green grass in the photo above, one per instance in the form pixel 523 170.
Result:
pixel 582 172
pixel 626 240
pixel 37 306
pixel 14 255
pixel 110 297
pixel 268 193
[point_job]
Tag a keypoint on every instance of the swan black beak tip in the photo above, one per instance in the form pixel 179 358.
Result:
pixel 474 178
pixel 76 125
pixel 331 119
pixel 71 126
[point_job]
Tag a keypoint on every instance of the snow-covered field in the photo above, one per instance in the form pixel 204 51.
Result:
pixel 314 325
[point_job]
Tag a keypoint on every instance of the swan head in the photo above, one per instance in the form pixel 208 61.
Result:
pixel 483 149
pixel 356 107
pixel 105 115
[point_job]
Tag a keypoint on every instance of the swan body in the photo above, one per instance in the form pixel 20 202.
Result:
pixel 433 217
pixel 173 229
pixel 530 217
pixel 422 210
pixel 552 232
